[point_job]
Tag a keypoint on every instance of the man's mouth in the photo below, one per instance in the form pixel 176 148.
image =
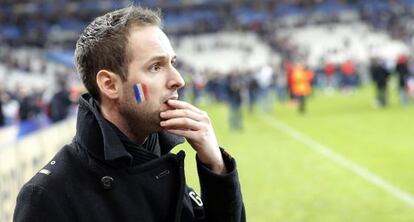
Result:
pixel 173 97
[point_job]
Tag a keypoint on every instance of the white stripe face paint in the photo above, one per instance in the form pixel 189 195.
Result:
pixel 342 161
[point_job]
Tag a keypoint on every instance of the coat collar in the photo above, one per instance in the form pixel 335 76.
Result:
pixel 96 135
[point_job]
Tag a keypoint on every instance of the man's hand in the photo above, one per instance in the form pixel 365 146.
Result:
pixel 194 124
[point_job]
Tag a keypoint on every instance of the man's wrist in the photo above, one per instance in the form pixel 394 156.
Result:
pixel 217 167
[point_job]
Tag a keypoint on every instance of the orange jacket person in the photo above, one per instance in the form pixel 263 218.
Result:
pixel 301 81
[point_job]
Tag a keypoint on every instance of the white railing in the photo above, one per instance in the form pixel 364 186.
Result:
pixel 20 160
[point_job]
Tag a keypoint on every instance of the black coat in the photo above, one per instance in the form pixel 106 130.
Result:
pixel 93 179
pixel 403 74
pixel 59 106
pixel 379 75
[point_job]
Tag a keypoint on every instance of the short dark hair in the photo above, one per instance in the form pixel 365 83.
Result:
pixel 103 43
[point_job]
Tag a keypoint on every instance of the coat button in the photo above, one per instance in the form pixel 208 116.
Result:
pixel 107 182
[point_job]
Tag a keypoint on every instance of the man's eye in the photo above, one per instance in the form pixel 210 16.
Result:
pixel 155 68
pixel 174 63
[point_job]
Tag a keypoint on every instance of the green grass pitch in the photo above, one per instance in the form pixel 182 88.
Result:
pixel 283 179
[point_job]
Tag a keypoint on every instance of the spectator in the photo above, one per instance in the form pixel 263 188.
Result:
pixel 253 88
pixel 301 85
pixel 27 106
pixel 349 77
pixel 28 112
pixel 380 76
pixel 264 79
pixel 199 83
pixel 234 88
pixel 403 75
pixel 60 104
pixel 329 71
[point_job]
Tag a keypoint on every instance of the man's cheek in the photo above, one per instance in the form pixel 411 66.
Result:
pixel 141 92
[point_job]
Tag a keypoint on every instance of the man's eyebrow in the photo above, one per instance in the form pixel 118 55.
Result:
pixel 161 57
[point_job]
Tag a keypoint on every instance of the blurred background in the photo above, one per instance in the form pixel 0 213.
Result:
pixel 314 98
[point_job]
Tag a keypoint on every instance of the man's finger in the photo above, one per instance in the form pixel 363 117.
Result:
pixel 188 134
pixel 178 104
pixel 180 113
pixel 181 123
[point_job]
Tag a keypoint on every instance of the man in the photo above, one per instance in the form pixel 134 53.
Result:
pixel 380 76
pixel 403 71
pixel 119 166
pixel 60 103
pixel 234 85
pixel 301 82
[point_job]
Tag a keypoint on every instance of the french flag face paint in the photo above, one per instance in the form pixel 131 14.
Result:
pixel 140 92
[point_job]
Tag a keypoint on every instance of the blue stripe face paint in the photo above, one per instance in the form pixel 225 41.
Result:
pixel 140 92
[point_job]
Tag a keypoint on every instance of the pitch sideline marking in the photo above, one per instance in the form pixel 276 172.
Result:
pixel 342 161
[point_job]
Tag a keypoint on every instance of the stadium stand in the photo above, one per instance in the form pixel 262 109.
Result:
pixel 340 42
pixel 237 49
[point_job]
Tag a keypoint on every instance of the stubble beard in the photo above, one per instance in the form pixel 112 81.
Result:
pixel 142 118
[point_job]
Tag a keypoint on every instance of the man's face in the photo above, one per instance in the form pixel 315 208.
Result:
pixel 151 66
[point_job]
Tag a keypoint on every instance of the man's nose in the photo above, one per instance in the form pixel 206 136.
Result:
pixel 175 81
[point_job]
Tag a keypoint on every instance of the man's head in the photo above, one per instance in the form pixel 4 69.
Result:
pixel 103 44
pixel 124 49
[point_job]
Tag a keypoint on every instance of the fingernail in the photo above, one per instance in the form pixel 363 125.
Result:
pixel 162 123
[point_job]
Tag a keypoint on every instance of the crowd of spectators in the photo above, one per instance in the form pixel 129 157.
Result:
pixel 56 24
pixel 49 25
pixel 33 108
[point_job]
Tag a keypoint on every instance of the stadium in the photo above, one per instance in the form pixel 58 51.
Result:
pixel 313 98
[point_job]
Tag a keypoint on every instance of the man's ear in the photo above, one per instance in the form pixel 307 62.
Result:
pixel 109 84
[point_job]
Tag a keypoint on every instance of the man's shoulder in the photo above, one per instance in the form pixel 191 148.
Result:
pixel 56 171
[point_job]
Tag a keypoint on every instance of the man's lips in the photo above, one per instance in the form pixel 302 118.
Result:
pixel 173 97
